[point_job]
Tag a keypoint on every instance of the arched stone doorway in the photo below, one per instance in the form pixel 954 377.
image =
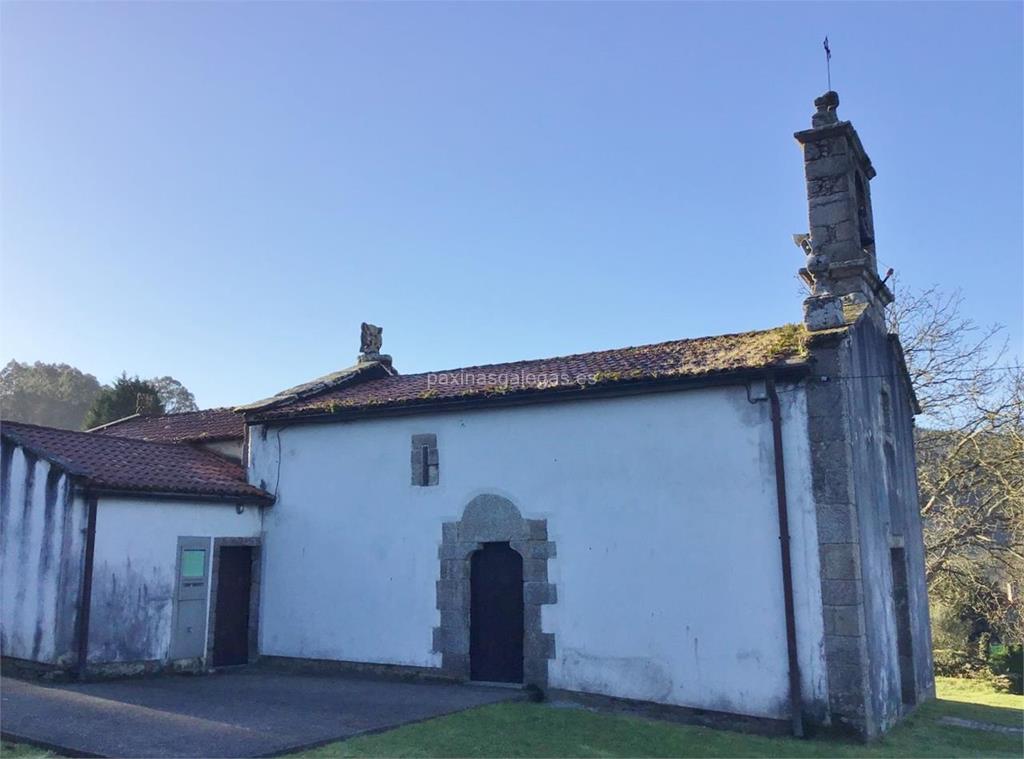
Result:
pixel 493 519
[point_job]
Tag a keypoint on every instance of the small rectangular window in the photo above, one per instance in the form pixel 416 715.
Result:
pixel 886 413
pixel 193 563
pixel 425 463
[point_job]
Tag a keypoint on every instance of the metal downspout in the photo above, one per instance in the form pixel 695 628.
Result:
pixel 795 696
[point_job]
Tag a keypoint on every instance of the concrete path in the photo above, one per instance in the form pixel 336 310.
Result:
pixel 990 727
pixel 250 712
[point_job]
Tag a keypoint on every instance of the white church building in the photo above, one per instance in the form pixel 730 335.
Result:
pixel 725 528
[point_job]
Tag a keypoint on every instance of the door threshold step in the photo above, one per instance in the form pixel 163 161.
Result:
pixel 495 684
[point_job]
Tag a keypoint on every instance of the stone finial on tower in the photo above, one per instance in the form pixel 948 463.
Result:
pixel 826 113
pixel 840 249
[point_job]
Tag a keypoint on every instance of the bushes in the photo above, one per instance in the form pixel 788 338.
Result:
pixel 1008 662
pixel 959 651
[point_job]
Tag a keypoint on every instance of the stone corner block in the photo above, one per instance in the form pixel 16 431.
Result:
pixel 535 570
pixel 534 549
pixel 451 639
pixel 457 551
pixel 535 672
pixel 539 593
pixel 450 532
pixel 841 592
pixel 846 650
pixel 437 641
pixel 840 561
pixel 836 523
pixel 823 312
pixel 455 665
pixel 452 594
pixel 843 620
pixel 537 529
pixel 539 646
pixel 454 569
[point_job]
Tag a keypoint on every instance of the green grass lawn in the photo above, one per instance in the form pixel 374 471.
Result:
pixel 539 730
pixel 22 751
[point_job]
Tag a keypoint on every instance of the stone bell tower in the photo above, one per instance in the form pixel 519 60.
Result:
pixel 841 268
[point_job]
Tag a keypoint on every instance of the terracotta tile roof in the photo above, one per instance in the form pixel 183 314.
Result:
pixel 116 463
pixel 704 356
pixel 189 426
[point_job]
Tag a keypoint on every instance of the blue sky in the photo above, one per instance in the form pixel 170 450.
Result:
pixel 223 192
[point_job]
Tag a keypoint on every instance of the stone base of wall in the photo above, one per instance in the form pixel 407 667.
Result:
pixel 399 672
pixel 31 670
pixel 681 714
pixel 119 670
pixel 23 669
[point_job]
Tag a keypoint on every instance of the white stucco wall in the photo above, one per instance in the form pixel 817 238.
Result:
pixel 134 569
pixel 230 448
pixel 662 508
pixel 42 526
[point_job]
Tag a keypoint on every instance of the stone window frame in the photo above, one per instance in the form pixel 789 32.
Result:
pixel 425 470
pixel 254 595
pixel 491 518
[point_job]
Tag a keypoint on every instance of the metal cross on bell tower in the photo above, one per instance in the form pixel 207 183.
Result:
pixel 828 63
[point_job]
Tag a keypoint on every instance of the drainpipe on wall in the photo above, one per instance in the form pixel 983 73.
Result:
pixel 85 596
pixel 795 697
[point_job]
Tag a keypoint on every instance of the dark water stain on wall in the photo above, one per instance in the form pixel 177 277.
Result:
pixel 53 477
pixel 69 577
pixel 6 455
pixel 131 612
pixel 25 534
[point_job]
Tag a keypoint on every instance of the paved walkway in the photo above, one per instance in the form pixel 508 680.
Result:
pixel 990 727
pixel 251 712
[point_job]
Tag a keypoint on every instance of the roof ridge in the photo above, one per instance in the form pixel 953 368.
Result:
pixel 165 414
pixel 105 425
pixel 197 411
pixel 112 438
pixel 669 360
pixel 14 422
pixel 566 356
pixel 315 386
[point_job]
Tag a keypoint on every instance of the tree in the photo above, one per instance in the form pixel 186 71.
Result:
pixel 970 457
pixel 972 500
pixel 55 395
pixel 58 395
pixel 175 396
pixel 953 362
pixel 121 399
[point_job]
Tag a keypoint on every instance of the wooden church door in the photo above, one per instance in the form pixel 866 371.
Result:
pixel 496 614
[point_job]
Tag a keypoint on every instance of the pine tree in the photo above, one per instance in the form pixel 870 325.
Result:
pixel 121 399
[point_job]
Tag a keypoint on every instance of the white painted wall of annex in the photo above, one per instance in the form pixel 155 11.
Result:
pixel 41 550
pixel 230 448
pixel 134 568
pixel 663 509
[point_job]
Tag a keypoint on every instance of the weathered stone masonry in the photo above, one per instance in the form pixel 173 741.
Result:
pixel 862 456
pixel 491 518
pixel 838 538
